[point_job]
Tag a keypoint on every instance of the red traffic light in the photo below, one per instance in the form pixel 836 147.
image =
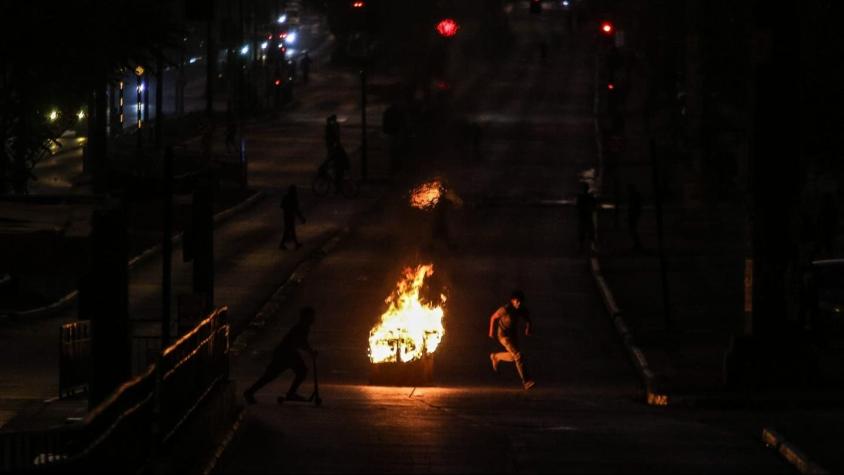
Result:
pixel 611 86
pixel 277 82
pixel 607 28
pixel 447 28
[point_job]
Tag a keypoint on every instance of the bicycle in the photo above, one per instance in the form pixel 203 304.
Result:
pixel 323 183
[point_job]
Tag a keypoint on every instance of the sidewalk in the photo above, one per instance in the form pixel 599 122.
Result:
pixel 680 353
pixel 249 266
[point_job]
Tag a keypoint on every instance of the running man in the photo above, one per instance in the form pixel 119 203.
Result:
pixel 504 324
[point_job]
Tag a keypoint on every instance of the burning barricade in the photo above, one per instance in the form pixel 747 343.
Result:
pixel 402 344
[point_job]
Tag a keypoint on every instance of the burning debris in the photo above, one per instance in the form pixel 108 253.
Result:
pixel 427 195
pixel 410 329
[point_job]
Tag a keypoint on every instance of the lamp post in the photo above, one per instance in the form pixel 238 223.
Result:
pixel 139 72
pixel 363 144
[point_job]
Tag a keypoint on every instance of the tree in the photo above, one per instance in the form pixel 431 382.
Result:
pixel 71 52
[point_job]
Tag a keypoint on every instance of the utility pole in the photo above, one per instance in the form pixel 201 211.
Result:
pixel 663 268
pixel 104 300
pixel 138 90
pixel 159 100
pixel 167 248
pixel 146 103
pixel 363 144
pixel 773 174
pixel 211 60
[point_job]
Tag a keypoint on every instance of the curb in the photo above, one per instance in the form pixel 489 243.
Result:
pixel 791 453
pixel 269 309
pixel 69 299
pixel 653 396
pixel 212 464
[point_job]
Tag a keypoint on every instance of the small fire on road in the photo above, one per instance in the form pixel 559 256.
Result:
pixel 427 195
pixel 410 329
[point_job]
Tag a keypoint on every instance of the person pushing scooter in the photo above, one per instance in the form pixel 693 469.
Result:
pixel 286 356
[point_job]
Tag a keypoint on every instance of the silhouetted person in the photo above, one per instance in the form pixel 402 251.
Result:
pixel 827 223
pixel 290 207
pixel 340 164
pixel 448 201
pixel 440 225
pixel 286 356
pixel 332 134
pixel 634 213
pixel 305 66
pixel 504 325
pixel 586 206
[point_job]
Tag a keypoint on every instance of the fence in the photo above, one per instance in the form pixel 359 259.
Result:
pixel 120 434
pixel 74 357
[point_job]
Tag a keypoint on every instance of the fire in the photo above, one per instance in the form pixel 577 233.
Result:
pixel 409 329
pixel 427 195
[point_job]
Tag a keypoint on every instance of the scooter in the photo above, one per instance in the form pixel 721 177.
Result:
pixel 314 397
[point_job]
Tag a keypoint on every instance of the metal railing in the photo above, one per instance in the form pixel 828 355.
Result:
pixel 124 430
pixel 74 357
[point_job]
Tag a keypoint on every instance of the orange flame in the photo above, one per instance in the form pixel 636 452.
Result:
pixel 427 195
pixel 409 329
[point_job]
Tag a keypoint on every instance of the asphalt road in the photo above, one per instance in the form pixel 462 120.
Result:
pixel 585 413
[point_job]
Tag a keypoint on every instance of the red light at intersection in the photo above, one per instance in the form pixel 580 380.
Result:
pixel 447 28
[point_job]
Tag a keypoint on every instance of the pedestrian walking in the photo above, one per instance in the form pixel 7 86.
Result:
pixel 439 229
pixel 290 207
pixel 504 325
pixel 340 164
pixel 332 134
pixel 305 66
pixel 586 206
pixel 634 213
pixel 286 356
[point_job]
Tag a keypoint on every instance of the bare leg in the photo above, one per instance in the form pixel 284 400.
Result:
pixel 513 354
